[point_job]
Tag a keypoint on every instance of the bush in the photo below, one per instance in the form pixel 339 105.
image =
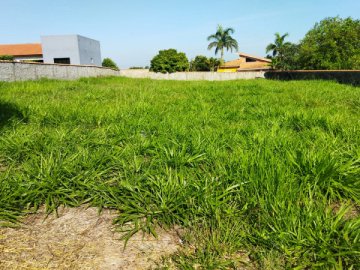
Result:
pixel 169 61
pixel 109 63
pixel 214 63
pixel 200 63
pixel 146 67
pixel 7 57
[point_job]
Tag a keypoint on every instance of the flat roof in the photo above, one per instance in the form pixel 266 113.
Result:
pixel 66 36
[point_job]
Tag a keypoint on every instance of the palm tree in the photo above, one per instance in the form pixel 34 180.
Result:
pixel 277 48
pixel 221 40
pixel 278 45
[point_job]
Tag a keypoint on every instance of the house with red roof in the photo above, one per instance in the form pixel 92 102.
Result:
pixel 31 52
pixel 57 49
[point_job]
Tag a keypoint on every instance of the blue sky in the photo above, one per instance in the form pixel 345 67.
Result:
pixel 132 32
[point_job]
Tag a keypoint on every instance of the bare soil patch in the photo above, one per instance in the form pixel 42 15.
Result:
pixel 80 238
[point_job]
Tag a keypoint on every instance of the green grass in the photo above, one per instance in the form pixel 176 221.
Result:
pixel 268 168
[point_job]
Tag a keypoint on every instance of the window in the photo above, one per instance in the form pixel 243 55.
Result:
pixel 62 61
pixel 250 60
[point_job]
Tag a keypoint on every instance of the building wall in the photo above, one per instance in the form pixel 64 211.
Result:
pixel 227 69
pixel 245 65
pixel 81 50
pixel 89 49
pixel 28 58
pixel 62 46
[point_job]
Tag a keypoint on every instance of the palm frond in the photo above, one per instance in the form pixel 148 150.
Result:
pixel 270 47
pixel 284 36
pixel 211 37
pixel 212 45
pixel 229 31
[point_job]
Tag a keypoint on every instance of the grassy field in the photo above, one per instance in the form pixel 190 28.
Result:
pixel 266 168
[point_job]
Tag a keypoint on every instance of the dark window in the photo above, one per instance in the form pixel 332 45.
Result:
pixel 62 61
pixel 250 60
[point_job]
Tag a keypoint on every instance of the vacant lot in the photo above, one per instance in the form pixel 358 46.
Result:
pixel 258 174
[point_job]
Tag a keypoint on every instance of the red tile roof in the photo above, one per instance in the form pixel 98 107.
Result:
pixel 21 49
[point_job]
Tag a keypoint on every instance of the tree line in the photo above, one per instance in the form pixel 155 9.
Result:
pixel 333 43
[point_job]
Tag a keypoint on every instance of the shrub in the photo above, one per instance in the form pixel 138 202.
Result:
pixel 108 62
pixel 7 57
pixel 214 63
pixel 138 67
pixel 200 63
pixel 169 61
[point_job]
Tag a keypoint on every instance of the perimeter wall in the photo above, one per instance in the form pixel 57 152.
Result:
pixel 17 71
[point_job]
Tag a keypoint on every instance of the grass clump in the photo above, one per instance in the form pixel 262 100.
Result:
pixel 266 169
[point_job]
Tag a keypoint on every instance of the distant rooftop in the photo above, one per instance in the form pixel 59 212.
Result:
pixel 21 49
pixel 239 61
pixel 241 54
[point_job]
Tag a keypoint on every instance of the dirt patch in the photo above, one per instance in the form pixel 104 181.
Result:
pixel 79 238
pixel 3 168
pixel 353 210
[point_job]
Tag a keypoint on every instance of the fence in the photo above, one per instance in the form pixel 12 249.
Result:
pixel 342 76
pixel 17 71
pixel 192 76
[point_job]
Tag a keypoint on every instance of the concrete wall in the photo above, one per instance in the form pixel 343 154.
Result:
pixel 14 71
pixel 17 71
pixel 192 76
pixel 343 76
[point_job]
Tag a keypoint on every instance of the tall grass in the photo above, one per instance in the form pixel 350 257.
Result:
pixel 267 168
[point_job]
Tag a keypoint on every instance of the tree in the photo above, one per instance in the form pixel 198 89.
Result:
pixel 200 63
pixel 221 40
pixel 109 63
pixel 278 45
pixel 333 43
pixel 289 58
pixel 278 49
pixel 214 63
pixel 7 57
pixel 169 61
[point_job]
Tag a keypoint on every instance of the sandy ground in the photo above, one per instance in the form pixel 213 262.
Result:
pixel 79 238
